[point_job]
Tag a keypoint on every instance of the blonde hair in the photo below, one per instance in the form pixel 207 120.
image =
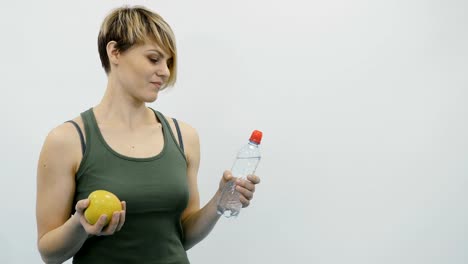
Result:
pixel 136 25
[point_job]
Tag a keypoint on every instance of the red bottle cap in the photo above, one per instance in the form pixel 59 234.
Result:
pixel 256 136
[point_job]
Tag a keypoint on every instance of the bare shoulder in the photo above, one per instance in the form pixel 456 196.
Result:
pixel 63 142
pixel 189 136
pixel 65 134
pixel 188 132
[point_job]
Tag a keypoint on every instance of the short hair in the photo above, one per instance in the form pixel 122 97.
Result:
pixel 129 26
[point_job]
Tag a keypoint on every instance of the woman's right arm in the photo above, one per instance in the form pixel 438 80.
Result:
pixel 60 234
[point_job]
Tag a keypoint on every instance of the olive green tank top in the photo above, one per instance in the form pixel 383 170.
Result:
pixel 155 190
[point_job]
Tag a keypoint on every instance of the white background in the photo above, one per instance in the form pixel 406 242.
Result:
pixel 363 105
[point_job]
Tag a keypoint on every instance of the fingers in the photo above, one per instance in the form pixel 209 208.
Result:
pixel 81 205
pixel 254 179
pixel 226 181
pixel 227 175
pixel 246 184
pixel 100 228
pixel 112 226
pixel 246 193
pixel 245 202
pixel 96 228
pixel 117 221
pixel 101 223
pixel 246 189
pixel 122 216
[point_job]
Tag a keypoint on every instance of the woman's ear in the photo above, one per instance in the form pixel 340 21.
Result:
pixel 112 52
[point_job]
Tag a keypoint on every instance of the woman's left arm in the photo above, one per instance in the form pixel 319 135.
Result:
pixel 198 222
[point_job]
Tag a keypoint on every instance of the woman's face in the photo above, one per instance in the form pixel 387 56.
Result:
pixel 142 70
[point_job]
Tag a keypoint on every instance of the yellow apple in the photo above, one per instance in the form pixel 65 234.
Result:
pixel 101 202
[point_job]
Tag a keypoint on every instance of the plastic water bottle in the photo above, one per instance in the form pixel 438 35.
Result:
pixel 245 163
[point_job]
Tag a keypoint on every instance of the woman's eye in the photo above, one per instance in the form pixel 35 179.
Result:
pixel 154 60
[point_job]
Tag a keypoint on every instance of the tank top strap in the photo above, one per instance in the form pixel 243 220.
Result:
pixel 90 130
pixel 166 127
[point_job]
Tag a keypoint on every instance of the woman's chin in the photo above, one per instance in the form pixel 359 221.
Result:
pixel 149 98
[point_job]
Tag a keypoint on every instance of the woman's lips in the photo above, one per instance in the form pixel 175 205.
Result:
pixel 157 84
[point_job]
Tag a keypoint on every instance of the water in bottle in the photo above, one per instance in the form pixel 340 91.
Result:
pixel 246 162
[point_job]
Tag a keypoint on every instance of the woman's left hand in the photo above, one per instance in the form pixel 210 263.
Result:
pixel 246 188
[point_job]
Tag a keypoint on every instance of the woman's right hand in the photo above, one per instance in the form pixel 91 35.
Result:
pixel 99 228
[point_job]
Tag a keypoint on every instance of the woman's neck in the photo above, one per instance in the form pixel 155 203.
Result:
pixel 119 109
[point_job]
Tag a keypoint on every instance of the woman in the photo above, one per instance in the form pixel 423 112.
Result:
pixel 148 160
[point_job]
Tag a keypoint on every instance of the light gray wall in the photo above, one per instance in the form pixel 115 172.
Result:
pixel 363 105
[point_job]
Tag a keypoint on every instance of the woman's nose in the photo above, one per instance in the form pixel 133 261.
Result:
pixel 163 70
